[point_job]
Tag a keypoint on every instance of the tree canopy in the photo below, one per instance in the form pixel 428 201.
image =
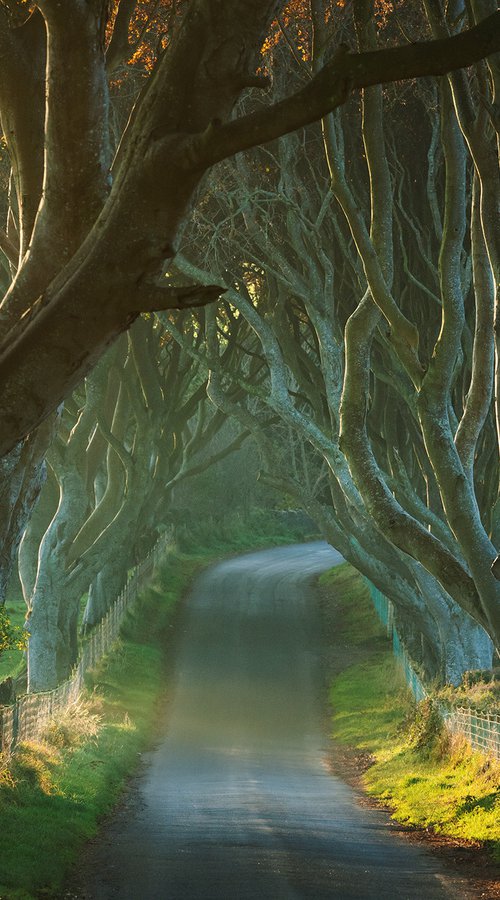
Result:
pixel 96 207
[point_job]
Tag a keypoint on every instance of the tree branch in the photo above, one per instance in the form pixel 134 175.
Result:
pixel 332 85
pixel 152 299
pixel 119 48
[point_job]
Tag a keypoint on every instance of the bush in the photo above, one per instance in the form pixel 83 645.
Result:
pixel 11 636
pixel 424 729
pixel 479 689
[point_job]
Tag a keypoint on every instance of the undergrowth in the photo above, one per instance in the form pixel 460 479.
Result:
pixel 480 689
pixel 234 533
pixel 427 779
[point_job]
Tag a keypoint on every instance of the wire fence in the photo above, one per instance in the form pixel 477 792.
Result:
pixel 29 715
pixel 480 729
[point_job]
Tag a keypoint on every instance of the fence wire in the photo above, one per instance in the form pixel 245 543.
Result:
pixel 30 714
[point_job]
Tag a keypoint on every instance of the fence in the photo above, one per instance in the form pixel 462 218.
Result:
pixel 26 718
pixel 480 729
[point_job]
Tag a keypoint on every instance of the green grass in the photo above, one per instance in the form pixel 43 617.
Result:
pixel 354 614
pixel 367 703
pixel 456 793
pixel 51 798
pixel 427 780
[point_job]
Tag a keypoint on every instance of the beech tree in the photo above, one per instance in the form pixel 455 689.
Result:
pixel 89 236
pixel 126 438
pixel 324 255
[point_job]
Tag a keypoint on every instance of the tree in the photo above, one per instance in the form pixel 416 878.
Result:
pixel 126 438
pixel 412 456
pixel 90 249
pixel 98 198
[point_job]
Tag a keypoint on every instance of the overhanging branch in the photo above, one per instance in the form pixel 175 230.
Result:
pixel 153 299
pixel 331 86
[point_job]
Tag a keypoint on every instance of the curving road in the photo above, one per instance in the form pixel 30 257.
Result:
pixel 236 803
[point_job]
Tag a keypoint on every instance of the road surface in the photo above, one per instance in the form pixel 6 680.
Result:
pixel 236 802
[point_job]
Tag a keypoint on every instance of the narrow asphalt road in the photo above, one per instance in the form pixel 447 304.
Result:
pixel 236 803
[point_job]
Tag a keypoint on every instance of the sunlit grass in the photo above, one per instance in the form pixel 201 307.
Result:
pixel 367 700
pixel 457 794
pixel 441 785
pixel 52 797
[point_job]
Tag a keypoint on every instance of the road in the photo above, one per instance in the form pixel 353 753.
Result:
pixel 236 802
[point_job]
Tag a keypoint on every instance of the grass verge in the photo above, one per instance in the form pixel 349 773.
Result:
pixel 53 792
pixel 427 780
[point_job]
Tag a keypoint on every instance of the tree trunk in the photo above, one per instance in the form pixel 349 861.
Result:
pixel 22 474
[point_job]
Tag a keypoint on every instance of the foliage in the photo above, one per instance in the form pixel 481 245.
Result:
pixel 480 690
pixel 424 730
pixel 149 32
pixel 259 528
pixel 11 636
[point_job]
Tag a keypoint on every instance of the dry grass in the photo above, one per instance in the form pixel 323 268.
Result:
pixel 6 777
pixel 75 725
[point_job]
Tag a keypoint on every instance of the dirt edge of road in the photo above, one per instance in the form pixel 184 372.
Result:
pixel 470 859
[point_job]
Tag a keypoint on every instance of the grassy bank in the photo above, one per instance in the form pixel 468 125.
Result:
pixel 53 793
pixel 428 781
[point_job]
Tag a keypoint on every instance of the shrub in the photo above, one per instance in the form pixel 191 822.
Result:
pixel 11 636
pixel 424 729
